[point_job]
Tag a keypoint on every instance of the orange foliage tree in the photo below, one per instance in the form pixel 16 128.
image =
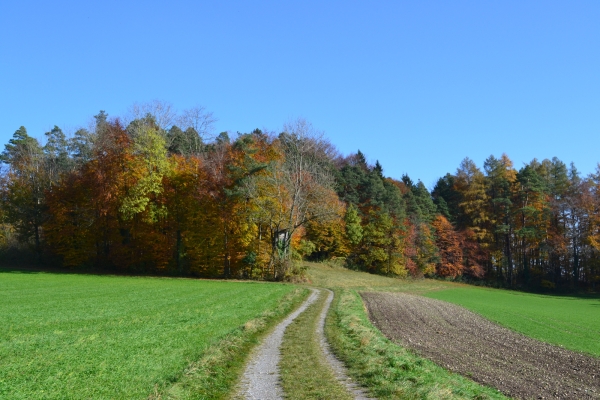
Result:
pixel 450 253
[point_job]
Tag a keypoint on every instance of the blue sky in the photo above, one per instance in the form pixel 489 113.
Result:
pixel 417 85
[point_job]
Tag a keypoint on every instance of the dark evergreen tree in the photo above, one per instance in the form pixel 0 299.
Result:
pixel 21 145
pixel 56 152
pixel 378 169
pixel 186 142
pixel 81 146
pixel 425 206
pixel 446 197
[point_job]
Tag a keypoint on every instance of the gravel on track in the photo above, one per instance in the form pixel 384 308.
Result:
pixel 261 377
pixel 339 369
pixel 466 343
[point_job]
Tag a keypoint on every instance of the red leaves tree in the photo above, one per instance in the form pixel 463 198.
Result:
pixel 450 252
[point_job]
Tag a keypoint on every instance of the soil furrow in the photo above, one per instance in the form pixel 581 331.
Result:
pixel 467 343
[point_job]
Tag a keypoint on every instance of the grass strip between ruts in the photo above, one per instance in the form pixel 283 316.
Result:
pixel 215 374
pixel 303 368
pixel 388 370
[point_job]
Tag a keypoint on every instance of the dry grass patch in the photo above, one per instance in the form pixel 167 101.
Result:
pixel 334 275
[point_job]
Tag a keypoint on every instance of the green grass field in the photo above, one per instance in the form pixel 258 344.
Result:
pixel 84 336
pixel 571 322
pixel 389 370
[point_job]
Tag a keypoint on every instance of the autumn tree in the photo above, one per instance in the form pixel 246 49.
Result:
pixel 296 188
pixel 381 247
pixel 450 262
pixel 327 238
pixel 354 230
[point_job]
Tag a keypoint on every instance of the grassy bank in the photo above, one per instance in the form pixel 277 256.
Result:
pixel 332 275
pixel 74 336
pixel 388 370
pixel 572 322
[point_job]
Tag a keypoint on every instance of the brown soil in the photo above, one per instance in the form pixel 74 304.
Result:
pixel 470 345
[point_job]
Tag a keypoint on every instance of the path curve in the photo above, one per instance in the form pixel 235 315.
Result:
pixel 261 377
pixel 339 370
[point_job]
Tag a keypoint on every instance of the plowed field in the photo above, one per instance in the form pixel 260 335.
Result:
pixel 468 344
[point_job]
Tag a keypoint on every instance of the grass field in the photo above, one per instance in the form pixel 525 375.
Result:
pixel 571 322
pixel 389 370
pixel 84 336
pixel 386 369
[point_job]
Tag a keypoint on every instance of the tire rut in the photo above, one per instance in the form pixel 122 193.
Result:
pixel 261 379
pixel 261 376
pixel 339 370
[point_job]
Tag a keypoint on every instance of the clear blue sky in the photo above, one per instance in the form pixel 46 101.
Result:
pixel 418 85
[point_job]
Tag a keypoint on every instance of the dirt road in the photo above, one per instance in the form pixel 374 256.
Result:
pixel 339 369
pixel 261 379
pixel 466 343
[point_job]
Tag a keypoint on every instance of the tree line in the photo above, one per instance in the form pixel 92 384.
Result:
pixel 535 227
pixel 156 193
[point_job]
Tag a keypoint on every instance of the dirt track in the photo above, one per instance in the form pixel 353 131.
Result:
pixel 261 377
pixel 466 343
pixel 339 370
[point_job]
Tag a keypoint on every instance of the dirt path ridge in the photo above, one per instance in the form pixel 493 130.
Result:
pixel 261 377
pixel 339 370
pixel 466 343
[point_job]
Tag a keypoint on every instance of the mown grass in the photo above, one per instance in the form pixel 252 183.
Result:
pixel 388 370
pixel 304 371
pixel 331 275
pixel 572 322
pixel 83 336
